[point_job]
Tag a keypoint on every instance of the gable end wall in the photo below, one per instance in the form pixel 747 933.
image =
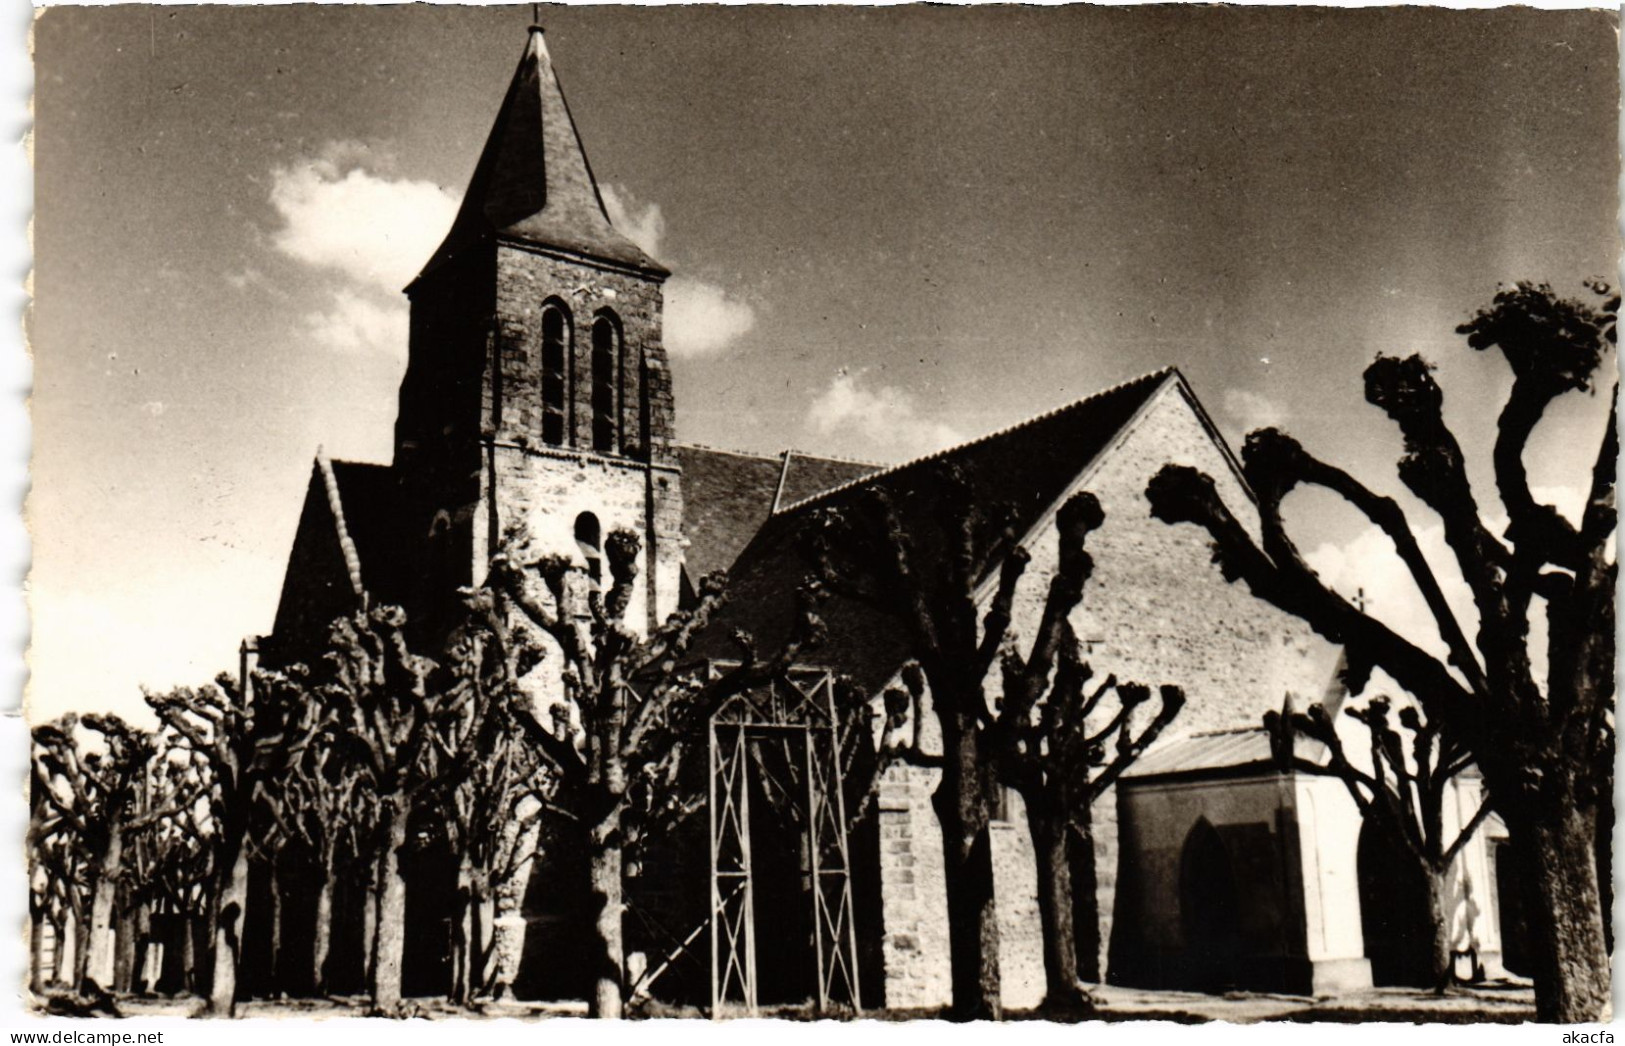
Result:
pixel 1157 610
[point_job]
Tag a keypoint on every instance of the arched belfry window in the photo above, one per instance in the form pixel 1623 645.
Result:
pixel 589 539
pixel 555 373
pixel 606 359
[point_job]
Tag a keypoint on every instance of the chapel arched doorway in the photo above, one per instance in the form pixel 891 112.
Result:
pixel 1393 910
pixel 1209 909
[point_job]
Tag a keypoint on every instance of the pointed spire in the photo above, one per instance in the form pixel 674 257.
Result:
pixel 533 182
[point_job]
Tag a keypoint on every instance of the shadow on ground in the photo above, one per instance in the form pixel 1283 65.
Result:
pixel 1497 1003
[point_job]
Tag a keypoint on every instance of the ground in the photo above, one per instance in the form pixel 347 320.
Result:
pixel 1497 1003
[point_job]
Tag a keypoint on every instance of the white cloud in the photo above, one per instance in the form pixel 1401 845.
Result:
pixel 376 230
pixel 885 417
pixel 1370 566
pixel 1251 410
pixel 701 319
pixel 639 222
pixel 358 323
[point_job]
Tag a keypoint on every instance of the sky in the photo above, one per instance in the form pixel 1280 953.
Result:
pixel 891 229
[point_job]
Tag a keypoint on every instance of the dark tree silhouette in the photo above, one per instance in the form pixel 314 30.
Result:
pixel 1047 739
pixel 57 877
pixel 323 805
pixel 96 800
pixel 630 708
pixel 1546 754
pixel 863 551
pixel 396 714
pixel 1403 794
pixel 236 737
pixel 488 813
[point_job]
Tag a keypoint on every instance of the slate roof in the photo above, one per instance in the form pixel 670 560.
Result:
pixel 1218 753
pixel 1027 467
pixel 372 503
pixel 727 496
pixel 533 182
pixel 348 540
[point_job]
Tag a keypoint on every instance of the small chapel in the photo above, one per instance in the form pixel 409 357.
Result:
pixel 538 391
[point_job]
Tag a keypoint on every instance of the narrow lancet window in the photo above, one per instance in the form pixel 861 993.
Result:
pixel 555 373
pixel 589 539
pixel 606 354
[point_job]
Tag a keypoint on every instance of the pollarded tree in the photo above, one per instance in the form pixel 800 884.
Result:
pixel 59 886
pixel 1050 740
pixel 168 866
pixel 389 709
pixel 489 812
pixel 1545 752
pixel 159 859
pixel 93 794
pixel 237 738
pixel 326 808
pixel 1403 795
pixel 183 880
pixel 630 710
pixel 863 552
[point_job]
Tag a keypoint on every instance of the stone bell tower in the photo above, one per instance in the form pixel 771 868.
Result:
pixel 537 389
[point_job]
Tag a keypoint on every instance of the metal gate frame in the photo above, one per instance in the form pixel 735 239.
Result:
pixel 802 704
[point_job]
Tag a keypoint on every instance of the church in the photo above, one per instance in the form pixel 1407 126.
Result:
pixel 538 391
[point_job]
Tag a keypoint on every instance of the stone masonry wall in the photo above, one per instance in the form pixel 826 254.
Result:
pixel 548 489
pixel 548 486
pixel 525 281
pixel 1157 611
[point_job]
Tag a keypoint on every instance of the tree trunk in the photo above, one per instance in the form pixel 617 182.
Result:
pixel 507 933
pixel 1085 895
pixel 482 957
pixel 961 803
pixel 369 925
pixel 103 914
pixel 273 982
pixel 1441 958
pixel 36 953
pixel 604 877
pixel 1567 952
pixel 322 939
pixel 1048 828
pixel 203 971
pixel 189 976
pixel 140 982
pixel 228 935
pixel 81 950
pixel 391 931
pixel 60 953
pixel 461 932
pixel 126 936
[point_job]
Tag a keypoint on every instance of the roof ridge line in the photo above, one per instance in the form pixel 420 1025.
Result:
pixel 352 559
pixel 1226 731
pixel 784 474
pixel 778 455
pixel 725 450
pixel 1161 372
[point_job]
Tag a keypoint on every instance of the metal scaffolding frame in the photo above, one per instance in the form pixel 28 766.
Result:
pixel 800 705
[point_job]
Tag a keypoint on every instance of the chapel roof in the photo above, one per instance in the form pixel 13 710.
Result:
pixel 728 495
pixel 371 501
pixel 1219 753
pixel 348 541
pixel 1027 467
pixel 533 182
